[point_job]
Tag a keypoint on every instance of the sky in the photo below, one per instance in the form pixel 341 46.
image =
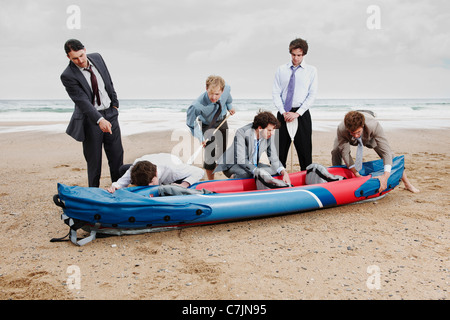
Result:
pixel 162 49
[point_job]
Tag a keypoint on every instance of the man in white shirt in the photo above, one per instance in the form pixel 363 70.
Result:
pixel 293 93
pixel 155 169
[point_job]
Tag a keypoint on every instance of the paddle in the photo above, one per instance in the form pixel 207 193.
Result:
pixel 292 129
pixel 197 152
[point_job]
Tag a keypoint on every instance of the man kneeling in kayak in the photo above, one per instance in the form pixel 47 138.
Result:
pixel 250 142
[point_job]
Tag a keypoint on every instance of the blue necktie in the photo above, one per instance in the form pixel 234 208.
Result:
pixel 290 91
pixel 359 155
pixel 256 154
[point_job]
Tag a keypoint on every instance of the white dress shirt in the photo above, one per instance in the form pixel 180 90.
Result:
pixel 169 169
pixel 105 101
pixel 306 83
pixel 256 145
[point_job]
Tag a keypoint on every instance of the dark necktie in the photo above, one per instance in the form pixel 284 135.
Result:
pixel 216 115
pixel 94 84
pixel 290 92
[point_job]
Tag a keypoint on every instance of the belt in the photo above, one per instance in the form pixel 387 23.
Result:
pixel 103 110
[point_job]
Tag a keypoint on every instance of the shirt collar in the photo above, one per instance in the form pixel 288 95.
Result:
pixel 89 64
pixel 206 100
pixel 255 137
pixel 302 65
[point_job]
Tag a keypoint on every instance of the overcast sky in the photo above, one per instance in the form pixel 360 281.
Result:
pixel 166 49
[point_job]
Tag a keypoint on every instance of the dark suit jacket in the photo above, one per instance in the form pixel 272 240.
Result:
pixel 80 92
pixel 241 151
pixel 373 137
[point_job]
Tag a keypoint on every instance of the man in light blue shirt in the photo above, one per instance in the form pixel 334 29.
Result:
pixel 211 109
pixel 293 93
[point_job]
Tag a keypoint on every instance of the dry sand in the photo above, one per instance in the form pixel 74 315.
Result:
pixel 315 255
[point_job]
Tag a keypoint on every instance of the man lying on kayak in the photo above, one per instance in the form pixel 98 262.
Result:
pixel 155 169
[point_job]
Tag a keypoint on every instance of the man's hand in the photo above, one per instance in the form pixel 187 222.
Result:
pixel 183 184
pixel 105 126
pixel 355 172
pixel 111 189
pixel 290 116
pixel 286 177
pixel 383 181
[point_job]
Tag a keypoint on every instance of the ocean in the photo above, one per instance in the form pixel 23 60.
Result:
pixel 147 115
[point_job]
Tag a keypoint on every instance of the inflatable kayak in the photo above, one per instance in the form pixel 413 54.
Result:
pixel 136 210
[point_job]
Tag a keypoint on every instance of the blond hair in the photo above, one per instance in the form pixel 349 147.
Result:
pixel 215 81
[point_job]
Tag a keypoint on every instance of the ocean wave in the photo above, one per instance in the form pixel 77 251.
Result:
pixel 166 114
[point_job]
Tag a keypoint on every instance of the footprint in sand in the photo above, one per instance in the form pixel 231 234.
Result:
pixel 62 166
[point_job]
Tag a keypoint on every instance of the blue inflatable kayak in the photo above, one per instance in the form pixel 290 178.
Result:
pixel 142 209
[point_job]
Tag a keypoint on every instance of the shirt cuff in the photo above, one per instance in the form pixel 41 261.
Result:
pixel 98 121
pixel 281 110
pixel 301 111
pixel 387 168
pixel 116 185
pixel 280 169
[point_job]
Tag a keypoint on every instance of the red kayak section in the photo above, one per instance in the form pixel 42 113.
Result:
pixel 343 190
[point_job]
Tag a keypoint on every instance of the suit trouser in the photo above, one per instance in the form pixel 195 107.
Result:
pixel 112 143
pixel 336 154
pixel 216 145
pixel 302 140
pixel 240 173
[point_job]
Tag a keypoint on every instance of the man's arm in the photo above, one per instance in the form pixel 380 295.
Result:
pixel 123 182
pixel 312 92
pixel 241 152
pixel 277 91
pixel 80 97
pixel 82 101
pixel 189 174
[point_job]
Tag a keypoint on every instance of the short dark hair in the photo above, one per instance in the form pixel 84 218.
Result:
pixel 299 44
pixel 263 119
pixel 73 45
pixel 143 173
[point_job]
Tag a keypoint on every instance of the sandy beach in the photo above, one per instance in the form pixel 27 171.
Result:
pixel 322 254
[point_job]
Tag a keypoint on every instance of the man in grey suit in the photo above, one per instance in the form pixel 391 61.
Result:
pixel 361 127
pixel 250 142
pixel 94 121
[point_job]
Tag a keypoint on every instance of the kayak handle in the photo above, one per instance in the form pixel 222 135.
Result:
pixel 58 201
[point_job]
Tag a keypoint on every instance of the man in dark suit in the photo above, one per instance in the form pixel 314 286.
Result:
pixel 95 118
pixel 250 142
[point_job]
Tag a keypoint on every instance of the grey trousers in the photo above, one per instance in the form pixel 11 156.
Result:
pixel 240 173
